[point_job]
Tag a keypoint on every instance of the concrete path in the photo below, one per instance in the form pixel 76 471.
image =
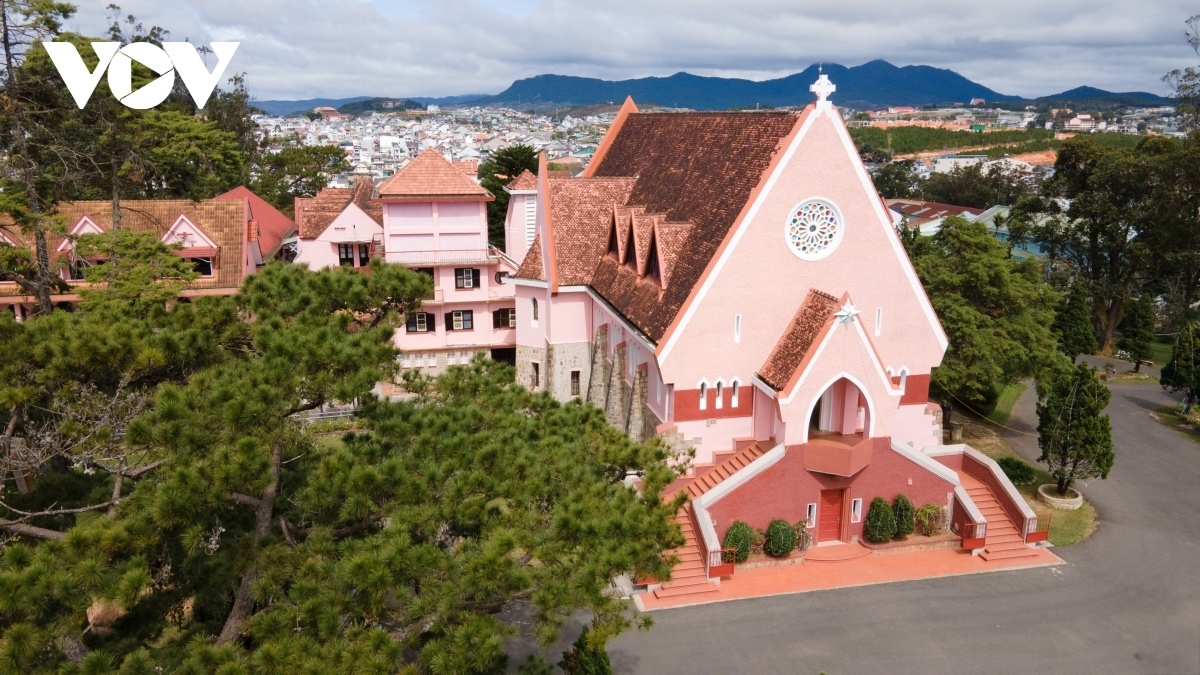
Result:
pixel 1128 601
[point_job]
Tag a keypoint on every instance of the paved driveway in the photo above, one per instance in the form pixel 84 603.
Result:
pixel 1128 601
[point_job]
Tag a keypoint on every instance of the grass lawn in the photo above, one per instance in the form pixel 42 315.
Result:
pixel 1066 527
pixel 1161 353
pixel 1004 404
pixel 1189 426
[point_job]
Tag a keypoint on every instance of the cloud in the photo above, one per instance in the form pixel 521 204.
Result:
pixel 295 49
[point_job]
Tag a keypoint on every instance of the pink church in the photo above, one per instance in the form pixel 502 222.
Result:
pixel 732 283
pixel 431 217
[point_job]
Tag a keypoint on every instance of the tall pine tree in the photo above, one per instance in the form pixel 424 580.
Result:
pixel 1074 433
pixel 1182 372
pixel 1073 324
pixel 1137 330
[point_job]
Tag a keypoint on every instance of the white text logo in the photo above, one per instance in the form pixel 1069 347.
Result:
pixel 171 58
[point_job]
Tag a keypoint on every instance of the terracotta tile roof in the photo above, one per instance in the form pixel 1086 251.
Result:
pixel 273 225
pixel 531 266
pixel 920 211
pixel 524 181
pixel 696 168
pixel 469 167
pixel 314 214
pixel 816 310
pixel 223 220
pixel 671 238
pixel 430 175
pixel 581 213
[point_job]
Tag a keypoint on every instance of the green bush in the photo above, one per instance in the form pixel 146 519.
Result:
pixel 1017 470
pixel 803 538
pixel 903 510
pixel 881 522
pixel 739 536
pixel 584 658
pixel 781 539
pixel 931 519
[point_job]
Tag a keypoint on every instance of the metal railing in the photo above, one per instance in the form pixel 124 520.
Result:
pixel 1038 529
pixel 479 255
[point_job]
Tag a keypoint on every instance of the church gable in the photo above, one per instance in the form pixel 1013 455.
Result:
pixel 815 221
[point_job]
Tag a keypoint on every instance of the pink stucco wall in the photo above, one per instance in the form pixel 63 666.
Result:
pixel 716 436
pixel 786 489
pixel 912 425
pixel 351 226
pixel 762 280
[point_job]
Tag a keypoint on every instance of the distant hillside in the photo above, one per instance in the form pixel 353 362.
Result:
pixel 872 85
pixel 1090 98
pixel 285 107
pixel 448 100
pixel 380 104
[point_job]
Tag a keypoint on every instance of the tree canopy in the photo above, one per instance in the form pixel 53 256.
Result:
pixel 1074 433
pixel 1073 323
pixel 499 170
pixel 996 312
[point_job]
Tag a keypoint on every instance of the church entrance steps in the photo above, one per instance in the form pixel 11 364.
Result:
pixel 688 577
pixel 717 474
pixel 1003 538
pixel 836 553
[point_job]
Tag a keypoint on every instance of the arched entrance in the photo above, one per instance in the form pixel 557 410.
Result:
pixel 842 414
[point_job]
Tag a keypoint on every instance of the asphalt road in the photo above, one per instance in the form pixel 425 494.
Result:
pixel 1128 601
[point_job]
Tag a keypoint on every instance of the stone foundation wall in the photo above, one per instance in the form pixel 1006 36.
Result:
pixel 526 357
pixel 601 369
pixel 616 405
pixel 561 360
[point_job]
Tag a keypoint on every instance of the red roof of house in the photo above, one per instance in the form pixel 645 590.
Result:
pixel 314 214
pixel 524 181
pixel 430 175
pixel 693 173
pixel 273 225
pixel 920 211
pixel 793 345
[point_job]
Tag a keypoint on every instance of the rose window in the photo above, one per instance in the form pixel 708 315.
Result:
pixel 813 230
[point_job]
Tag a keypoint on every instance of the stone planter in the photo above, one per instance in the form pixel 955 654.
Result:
pixel 1049 494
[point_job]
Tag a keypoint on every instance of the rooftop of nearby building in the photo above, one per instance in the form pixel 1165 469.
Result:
pixel 314 214
pixel 430 175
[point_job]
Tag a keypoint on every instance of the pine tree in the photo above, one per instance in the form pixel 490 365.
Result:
pixel 1182 372
pixel 398 546
pixel 1137 330
pixel 1073 324
pixel 1074 433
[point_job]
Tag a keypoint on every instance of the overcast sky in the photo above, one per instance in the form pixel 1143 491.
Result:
pixel 294 49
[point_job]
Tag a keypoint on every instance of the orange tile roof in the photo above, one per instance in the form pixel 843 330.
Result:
pixel 430 175
pixel 581 213
pixel 314 214
pixel 816 310
pixel 525 181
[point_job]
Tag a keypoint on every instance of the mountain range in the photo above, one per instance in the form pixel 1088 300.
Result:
pixel 876 84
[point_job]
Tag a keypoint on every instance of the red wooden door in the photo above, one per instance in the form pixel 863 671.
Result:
pixel 829 516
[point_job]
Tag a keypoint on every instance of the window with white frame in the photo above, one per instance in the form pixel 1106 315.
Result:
pixel 703 395
pixel 734 394
pixel 461 320
pixel 737 327
pixel 855 510
pixel 720 397
pixel 878 320
pixel 533 311
pixel 811 516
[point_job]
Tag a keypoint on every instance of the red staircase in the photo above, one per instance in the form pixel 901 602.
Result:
pixel 688 577
pixel 1002 539
pixel 729 464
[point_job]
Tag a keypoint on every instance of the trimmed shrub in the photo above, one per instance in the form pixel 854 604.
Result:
pixel 584 658
pixel 803 538
pixel 1017 470
pixel 739 536
pixel 903 510
pixel 881 522
pixel 781 539
pixel 931 519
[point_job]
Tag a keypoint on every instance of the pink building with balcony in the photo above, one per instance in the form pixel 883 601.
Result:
pixel 431 217
pixel 732 283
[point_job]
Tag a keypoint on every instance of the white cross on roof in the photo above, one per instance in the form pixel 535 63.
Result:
pixel 823 88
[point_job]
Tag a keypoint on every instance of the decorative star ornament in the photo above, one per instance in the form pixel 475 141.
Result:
pixel 847 313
